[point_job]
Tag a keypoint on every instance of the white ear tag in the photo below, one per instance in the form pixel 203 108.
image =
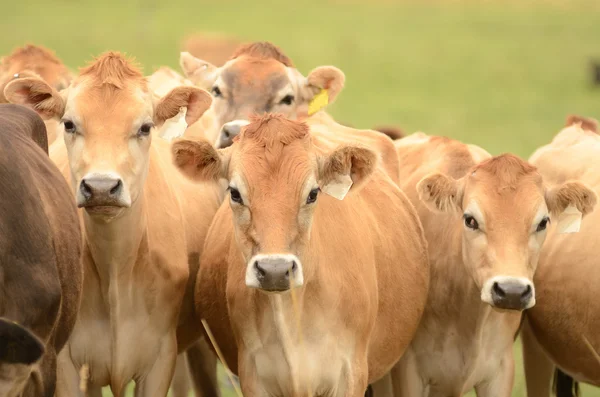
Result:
pixel 569 221
pixel 339 187
pixel 175 126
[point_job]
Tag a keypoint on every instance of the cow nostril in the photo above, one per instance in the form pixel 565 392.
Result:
pixel 294 266
pixel 85 189
pixel 261 272
pixel 498 290
pixel 226 133
pixel 527 292
pixel 117 188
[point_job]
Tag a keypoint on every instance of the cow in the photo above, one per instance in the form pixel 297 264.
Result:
pixel 260 78
pixel 561 331
pixel 41 274
pixel 144 224
pixel 485 220
pixel 304 290
pixel 35 61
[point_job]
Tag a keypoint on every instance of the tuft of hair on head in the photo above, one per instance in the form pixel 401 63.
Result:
pixel 31 51
pixel 272 128
pixel 263 50
pixel 508 168
pixel 586 123
pixel 113 69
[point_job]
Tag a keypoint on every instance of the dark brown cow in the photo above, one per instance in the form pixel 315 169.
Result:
pixel 40 252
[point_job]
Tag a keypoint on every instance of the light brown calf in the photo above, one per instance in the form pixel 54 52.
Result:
pixel 568 276
pixel 358 266
pixel 143 223
pixel 485 224
pixel 35 61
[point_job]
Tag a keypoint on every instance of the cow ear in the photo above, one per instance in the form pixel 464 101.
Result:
pixel 18 345
pixel 202 73
pixel 196 100
pixel 441 193
pixel 570 194
pixel 327 78
pixel 347 168
pixel 36 94
pixel 588 124
pixel 200 161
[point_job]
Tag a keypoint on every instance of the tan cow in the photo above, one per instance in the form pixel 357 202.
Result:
pixel 565 319
pixel 143 223
pixel 35 61
pixel 260 78
pixel 214 47
pixel 485 223
pixel 358 266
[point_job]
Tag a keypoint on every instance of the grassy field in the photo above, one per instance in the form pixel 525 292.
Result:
pixel 500 74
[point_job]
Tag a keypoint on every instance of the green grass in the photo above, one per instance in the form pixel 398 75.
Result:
pixel 500 74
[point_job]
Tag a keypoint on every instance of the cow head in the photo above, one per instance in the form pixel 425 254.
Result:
pixel 108 115
pixel 505 211
pixel 259 79
pixel 275 182
pixel 33 61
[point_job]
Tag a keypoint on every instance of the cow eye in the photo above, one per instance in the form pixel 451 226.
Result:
pixel 216 91
pixel 543 224
pixel 470 222
pixel 236 197
pixel 287 100
pixel 312 196
pixel 69 126
pixel 145 129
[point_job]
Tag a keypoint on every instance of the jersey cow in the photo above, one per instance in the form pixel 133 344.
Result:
pixel 561 331
pixel 40 275
pixel 144 224
pixel 319 295
pixel 485 220
pixel 35 61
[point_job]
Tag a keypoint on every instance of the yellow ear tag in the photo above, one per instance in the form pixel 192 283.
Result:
pixel 318 102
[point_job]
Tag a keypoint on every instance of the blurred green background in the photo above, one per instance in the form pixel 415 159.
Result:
pixel 500 74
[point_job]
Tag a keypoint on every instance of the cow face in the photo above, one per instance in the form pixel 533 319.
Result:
pixel 259 79
pixel 504 213
pixel 108 116
pixel 275 183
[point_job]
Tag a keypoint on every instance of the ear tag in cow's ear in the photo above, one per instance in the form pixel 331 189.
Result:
pixel 175 126
pixel 318 102
pixel 339 187
pixel 569 221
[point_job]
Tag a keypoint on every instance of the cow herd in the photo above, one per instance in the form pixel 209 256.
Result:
pixel 324 260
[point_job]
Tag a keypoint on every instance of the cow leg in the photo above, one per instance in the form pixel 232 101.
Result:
pixel 67 376
pixel 180 385
pixel 94 392
pixel 202 364
pixel 406 381
pixel 539 369
pixel 156 382
pixel 500 383
pixel 383 387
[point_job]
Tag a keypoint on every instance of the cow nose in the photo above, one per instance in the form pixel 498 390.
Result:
pixel 228 132
pixel 101 191
pixel 512 295
pixel 274 273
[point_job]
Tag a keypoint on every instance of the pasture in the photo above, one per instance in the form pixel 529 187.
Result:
pixel 502 75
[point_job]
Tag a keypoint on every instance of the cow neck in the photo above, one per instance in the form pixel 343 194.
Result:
pixel 114 246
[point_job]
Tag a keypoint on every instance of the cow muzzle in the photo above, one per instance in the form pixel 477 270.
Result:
pixel 274 273
pixel 99 193
pixel 228 132
pixel 509 293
